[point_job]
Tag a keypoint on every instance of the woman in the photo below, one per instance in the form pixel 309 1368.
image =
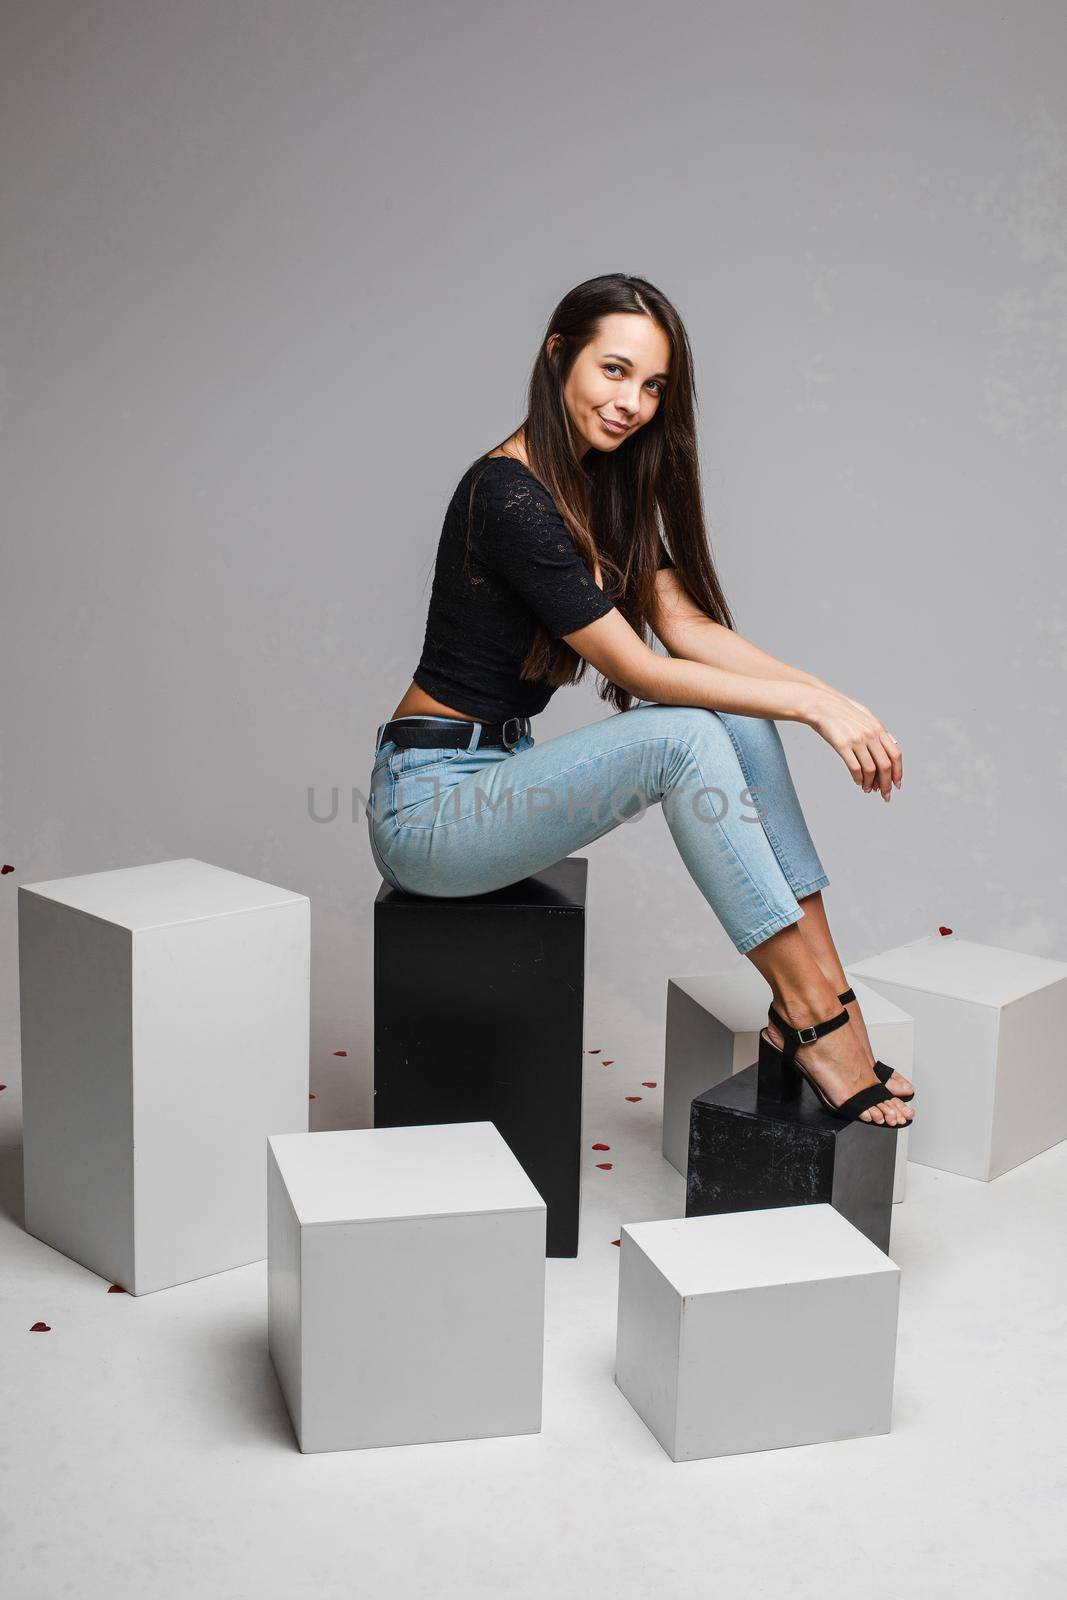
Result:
pixel 551 558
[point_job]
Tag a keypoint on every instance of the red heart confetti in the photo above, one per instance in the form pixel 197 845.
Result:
pixel 115 1288
pixel 646 1085
pixel 6 868
pixel 313 1097
pixel 632 1097
pixel 604 1166
pixel 610 1063
pixel 944 930
pixel 618 1242
pixel 340 1052
pixel 40 1327
pixel 595 1052
pixel 3 1085
pixel 602 1147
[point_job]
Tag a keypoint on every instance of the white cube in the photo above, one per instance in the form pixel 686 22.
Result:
pixel 165 1026
pixel 712 1031
pixel 989 1056
pixel 406 1285
pixel 754 1330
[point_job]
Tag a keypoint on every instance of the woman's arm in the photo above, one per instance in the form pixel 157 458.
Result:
pixel 615 650
pixel 684 630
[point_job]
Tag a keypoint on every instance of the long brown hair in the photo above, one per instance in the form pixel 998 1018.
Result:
pixel 616 505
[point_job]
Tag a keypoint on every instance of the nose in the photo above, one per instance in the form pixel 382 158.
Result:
pixel 628 405
pixel 634 395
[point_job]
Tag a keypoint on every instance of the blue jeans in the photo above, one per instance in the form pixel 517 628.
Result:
pixel 449 821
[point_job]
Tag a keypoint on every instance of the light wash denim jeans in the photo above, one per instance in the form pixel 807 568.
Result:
pixel 448 821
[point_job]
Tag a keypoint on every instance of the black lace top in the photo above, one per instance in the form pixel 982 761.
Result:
pixel 522 567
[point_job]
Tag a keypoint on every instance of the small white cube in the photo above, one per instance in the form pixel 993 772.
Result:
pixel 712 1032
pixel 165 1030
pixel 406 1285
pixel 989 1052
pixel 754 1330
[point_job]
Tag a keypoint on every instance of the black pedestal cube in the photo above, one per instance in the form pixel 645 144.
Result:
pixel 761 1138
pixel 479 1016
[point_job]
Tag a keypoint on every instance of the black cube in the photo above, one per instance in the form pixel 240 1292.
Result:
pixel 479 1017
pixel 762 1139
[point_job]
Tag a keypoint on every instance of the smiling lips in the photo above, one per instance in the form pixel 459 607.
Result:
pixel 616 427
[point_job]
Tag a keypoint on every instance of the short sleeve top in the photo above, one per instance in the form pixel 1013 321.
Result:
pixel 522 569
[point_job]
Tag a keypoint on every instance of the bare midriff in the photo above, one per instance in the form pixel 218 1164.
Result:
pixel 417 703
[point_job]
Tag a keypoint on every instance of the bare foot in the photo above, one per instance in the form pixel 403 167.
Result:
pixel 896 1083
pixel 838 1063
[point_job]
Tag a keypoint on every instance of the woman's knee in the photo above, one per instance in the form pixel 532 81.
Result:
pixel 701 730
pixel 693 721
pixel 694 749
pixel 756 739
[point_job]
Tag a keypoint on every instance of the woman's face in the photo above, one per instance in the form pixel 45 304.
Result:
pixel 619 377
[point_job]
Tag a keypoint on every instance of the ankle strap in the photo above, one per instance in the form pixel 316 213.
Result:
pixel 795 1037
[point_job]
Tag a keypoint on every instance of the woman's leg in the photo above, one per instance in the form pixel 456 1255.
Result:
pixel 762 758
pixel 463 822
pixel 803 996
pixel 820 942
pixel 458 822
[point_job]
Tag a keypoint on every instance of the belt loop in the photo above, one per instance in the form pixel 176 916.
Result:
pixel 475 736
pixel 378 736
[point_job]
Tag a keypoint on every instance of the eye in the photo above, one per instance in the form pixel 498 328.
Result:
pixel 612 366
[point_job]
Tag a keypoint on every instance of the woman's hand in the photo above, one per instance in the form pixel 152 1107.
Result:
pixel 869 752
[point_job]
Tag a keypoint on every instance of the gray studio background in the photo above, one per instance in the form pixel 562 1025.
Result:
pixel 274 272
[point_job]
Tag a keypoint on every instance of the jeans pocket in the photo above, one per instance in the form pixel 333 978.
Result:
pixel 421 759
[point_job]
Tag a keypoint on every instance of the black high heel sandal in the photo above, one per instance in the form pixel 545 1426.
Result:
pixel 849 1110
pixel 881 1070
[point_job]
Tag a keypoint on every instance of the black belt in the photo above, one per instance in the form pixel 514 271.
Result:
pixel 422 731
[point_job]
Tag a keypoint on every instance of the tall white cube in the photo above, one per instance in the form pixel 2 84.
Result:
pixel 754 1330
pixel 406 1285
pixel 712 1031
pixel 165 1031
pixel 989 1053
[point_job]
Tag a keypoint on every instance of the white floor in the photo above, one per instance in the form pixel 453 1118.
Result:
pixel 147 1450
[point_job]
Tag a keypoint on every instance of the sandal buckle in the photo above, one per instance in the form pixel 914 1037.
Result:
pixel 807 1035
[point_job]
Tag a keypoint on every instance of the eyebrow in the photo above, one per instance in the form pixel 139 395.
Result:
pixel 611 356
